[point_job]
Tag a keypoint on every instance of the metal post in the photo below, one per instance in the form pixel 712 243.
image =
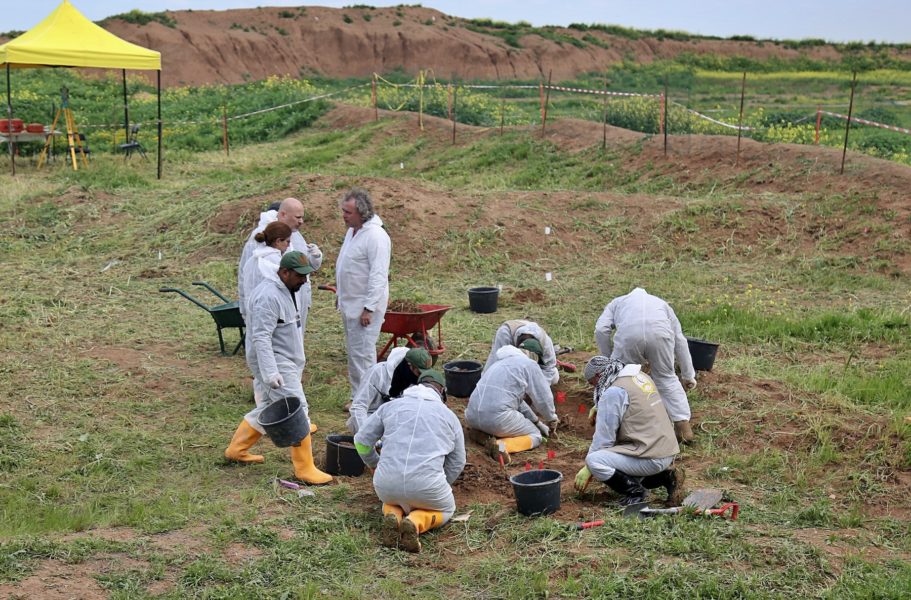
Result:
pixel 159 124
pixel 844 151
pixel 546 102
pixel 9 122
pixel 743 86
pixel 126 111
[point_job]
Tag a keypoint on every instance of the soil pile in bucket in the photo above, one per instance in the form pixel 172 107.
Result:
pixel 403 306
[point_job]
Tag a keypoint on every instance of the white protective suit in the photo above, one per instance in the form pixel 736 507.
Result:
pixel 314 256
pixel 601 460
pixel 275 330
pixel 648 332
pixel 504 336
pixel 423 451
pixel 362 281
pixel 374 385
pixel 497 405
pixel 262 264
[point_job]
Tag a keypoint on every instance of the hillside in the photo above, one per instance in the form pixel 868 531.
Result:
pixel 230 46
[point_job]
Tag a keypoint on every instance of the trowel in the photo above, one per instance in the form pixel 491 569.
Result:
pixel 699 502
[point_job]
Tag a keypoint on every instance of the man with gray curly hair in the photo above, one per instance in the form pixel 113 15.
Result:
pixel 362 281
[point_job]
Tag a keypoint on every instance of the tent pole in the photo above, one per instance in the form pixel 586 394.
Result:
pixel 9 112
pixel 159 123
pixel 126 111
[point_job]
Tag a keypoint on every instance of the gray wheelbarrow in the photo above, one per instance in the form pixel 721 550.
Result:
pixel 226 315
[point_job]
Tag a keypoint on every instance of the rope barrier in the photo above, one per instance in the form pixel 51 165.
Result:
pixel 866 122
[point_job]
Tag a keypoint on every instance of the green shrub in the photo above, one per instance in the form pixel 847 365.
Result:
pixel 138 17
pixel 347 19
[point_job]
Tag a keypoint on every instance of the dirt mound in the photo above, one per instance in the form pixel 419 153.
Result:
pixel 232 46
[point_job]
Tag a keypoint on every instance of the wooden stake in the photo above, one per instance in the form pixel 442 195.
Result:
pixel 224 122
pixel 844 151
pixel 604 136
pixel 818 123
pixel 455 102
pixel 743 86
pixel 546 102
pixel 9 122
pixel 376 111
pixel 664 115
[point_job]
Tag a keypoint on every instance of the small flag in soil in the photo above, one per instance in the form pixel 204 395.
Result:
pixel 581 408
pixel 541 466
pixel 551 455
pixel 527 466
pixel 561 397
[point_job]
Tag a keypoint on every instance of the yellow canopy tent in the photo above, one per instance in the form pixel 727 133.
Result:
pixel 65 38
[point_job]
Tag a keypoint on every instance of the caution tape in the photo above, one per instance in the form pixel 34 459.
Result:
pixel 866 122
pixel 561 88
pixel 715 121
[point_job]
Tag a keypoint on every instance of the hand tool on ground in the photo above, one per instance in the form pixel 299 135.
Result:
pixel 699 501
pixel 568 367
pixel 589 524
pixel 563 350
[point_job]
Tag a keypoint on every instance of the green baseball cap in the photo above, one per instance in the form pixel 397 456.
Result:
pixel 419 358
pixel 432 375
pixel 532 345
pixel 297 262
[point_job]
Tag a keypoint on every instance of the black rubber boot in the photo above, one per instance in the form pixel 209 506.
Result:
pixel 671 480
pixel 629 487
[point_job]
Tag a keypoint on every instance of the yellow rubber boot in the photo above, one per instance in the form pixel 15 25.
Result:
pixel 313 428
pixel 304 469
pixel 243 440
pixel 506 446
pixel 392 521
pixel 417 522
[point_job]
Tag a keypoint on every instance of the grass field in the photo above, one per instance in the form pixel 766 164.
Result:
pixel 118 406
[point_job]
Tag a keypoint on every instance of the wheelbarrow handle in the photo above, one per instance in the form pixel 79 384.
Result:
pixel 185 295
pixel 211 289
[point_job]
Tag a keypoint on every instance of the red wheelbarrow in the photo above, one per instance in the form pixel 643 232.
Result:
pixel 412 327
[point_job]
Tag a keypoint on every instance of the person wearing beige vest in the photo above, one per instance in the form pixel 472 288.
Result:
pixel 634 443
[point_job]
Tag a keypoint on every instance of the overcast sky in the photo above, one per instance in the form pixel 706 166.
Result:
pixel 833 20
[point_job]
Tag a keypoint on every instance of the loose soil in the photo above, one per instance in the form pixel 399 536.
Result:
pixel 404 306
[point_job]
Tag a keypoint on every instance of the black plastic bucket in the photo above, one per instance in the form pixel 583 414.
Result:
pixel 285 422
pixel 341 456
pixel 461 377
pixel 702 352
pixel 483 299
pixel 537 492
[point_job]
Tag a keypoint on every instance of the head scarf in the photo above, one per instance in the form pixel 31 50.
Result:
pixel 608 368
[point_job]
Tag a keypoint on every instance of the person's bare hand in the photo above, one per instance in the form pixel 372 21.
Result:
pixel 366 317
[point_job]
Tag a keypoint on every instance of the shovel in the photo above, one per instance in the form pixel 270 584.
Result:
pixel 699 501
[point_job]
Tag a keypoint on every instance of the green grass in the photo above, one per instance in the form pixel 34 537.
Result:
pixel 119 406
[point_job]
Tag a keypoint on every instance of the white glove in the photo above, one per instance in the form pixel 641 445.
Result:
pixel 552 425
pixel 545 430
pixel 689 384
pixel 314 251
pixel 276 381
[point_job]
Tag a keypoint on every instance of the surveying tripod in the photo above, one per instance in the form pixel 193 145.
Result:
pixel 73 140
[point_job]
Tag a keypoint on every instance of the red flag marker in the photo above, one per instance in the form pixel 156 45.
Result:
pixel 561 397
pixel 541 466
pixel 551 454
pixel 527 466
pixel 581 408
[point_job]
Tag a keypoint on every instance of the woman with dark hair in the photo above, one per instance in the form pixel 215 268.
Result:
pixel 272 241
